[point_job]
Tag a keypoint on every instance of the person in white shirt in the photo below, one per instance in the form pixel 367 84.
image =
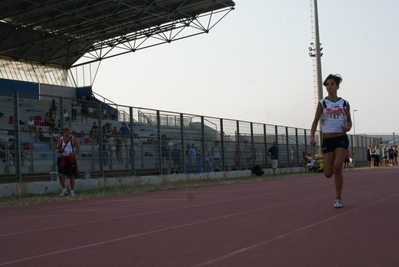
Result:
pixel 334 114
pixel 66 115
pixel 31 124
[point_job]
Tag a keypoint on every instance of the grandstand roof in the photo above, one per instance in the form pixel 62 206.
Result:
pixel 61 32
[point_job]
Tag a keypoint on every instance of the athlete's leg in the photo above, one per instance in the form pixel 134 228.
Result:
pixel 62 179
pixel 328 163
pixel 72 182
pixel 338 177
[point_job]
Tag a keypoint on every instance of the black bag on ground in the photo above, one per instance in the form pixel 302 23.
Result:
pixel 257 170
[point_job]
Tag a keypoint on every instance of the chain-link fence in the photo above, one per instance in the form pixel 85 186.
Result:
pixel 118 140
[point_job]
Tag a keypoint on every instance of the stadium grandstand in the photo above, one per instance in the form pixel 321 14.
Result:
pixel 49 56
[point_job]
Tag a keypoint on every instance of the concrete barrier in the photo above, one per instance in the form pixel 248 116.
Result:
pixel 45 187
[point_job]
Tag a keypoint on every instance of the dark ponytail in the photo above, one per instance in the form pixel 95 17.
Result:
pixel 336 77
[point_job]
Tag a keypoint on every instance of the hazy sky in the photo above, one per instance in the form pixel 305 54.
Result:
pixel 254 65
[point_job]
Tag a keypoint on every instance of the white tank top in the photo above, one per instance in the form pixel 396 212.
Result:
pixel 68 148
pixel 333 115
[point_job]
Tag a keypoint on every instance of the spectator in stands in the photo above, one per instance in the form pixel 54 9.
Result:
pixel 104 147
pixel 176 157
pixel 30 123
pixel 104 113
pixel 41 137
pixel 3 151
pixel 136 142
pixel 66 116
pixel 90 96
pixel 113 114
pixel 118 148
pixel 54 132
pixel 90 111
pixel 124 131
pixel 83 108
pixel 13 155
pixel 111 147
pixel 170 144
pixel 115 131
pixel 94 134
pixel 1 114
pixel 165 147
pixel 49 120
pixel 53 108
pixel 107 128
pixel 74 108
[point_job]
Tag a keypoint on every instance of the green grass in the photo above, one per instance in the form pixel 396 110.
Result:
pixel 128 190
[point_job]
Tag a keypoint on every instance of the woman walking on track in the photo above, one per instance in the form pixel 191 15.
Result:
pixel 334 113
pixel 68 148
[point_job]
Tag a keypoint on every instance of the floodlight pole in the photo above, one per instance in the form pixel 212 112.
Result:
pixel 317 54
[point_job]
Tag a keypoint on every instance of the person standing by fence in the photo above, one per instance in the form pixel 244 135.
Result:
pixel 273 154
pixel 334 113
pixel 68 148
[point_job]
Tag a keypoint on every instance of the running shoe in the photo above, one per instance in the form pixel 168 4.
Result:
pixel 338 203
pixel 64 192
pixel 72 193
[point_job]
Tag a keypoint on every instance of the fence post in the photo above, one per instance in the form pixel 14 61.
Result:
pixel 131 150
pixel 252 144
pixel 306 140
pixel 288 148
pixel 296 147
pixel 202 144
pixel 265 144
pixel 101 148
pixel 238 144
pixel 159 142
pixel 222 143
pixel 17 136
pixel 182 142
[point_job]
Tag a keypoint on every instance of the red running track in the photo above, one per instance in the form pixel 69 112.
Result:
pixel 287 222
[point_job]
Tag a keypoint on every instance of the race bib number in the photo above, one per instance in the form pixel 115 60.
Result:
pixel 335 113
